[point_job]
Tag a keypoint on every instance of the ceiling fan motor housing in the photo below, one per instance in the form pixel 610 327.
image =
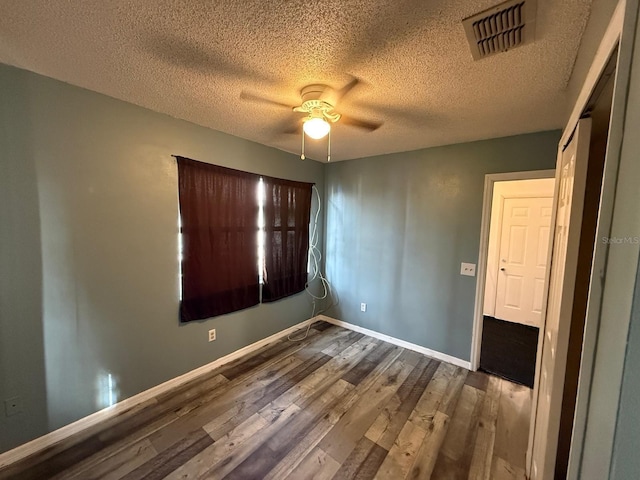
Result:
pixel 313 104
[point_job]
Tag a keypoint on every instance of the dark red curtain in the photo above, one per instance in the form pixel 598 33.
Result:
pixel 218 213
pixel 287 209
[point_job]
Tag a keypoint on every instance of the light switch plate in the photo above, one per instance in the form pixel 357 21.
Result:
pixel 468 269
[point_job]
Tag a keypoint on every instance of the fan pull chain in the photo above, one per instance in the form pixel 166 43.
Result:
pixel 302 157
pixel 329 148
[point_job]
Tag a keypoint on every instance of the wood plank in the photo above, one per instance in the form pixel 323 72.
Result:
pixel 163 464
pixel 289 463
pixel 299 453
pixel 452 394
pixel 60 456
pixel 117 466
pixel 366 365
pixel 275 449
pixel 274 350
pixel 411 357
pixel 350 466
pixel 330 338
pixel 363 462
pixel 512 427
pixel 321 325
pixel 305 391
pixel 409 393
pixel 317 465
pixel 480 468
pixel 253 380
pixel 341 343
pixel 382 421
pixel 256 392
pixel 304 388
pixel 345 403
pixel 477 380
pixel 427 455
pixel 455 454
pixel 342 438
pixel 462 422
pixel 225 454
pixel 181 395
pixel 427 406
pixel 236 408
pixel 401 457
pixel 503 470
pixel 116 448
pixel 372 463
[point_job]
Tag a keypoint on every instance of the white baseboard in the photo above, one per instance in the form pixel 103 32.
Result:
pixel 401 343
pixel 62 433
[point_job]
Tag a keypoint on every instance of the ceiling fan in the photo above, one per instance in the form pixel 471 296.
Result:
pixel 318 103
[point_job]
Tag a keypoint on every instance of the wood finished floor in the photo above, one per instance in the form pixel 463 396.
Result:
pixel 339 405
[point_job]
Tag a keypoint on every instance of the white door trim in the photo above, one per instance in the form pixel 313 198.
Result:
pixel 489 180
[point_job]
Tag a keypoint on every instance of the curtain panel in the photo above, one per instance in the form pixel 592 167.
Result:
pixel 218 215
pixel 287 210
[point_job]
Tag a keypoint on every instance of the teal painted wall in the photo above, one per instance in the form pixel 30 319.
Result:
pixel 22 369
pixel 398 226
pixel 626 461
pixel 88 245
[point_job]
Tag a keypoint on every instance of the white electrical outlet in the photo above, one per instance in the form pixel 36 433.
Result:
pixel 468 269
pixel 363 307
pixel 212 334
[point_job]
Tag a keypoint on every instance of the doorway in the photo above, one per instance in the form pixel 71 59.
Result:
pixel 514 282
pixel 514 322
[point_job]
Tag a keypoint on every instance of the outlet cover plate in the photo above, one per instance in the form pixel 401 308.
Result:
pixel 212 334
pixel 468 269
pixel 363 307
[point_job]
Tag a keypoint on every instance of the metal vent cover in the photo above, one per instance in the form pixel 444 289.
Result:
pixel 501 28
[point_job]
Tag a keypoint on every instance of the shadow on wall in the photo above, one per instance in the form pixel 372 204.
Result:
pixel 23 407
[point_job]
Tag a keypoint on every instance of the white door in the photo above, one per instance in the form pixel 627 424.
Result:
pixel 571 174
pixel 524 243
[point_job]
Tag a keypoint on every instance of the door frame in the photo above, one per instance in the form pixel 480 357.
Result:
pixel 489 181
pixel 614 270
pixel 493 257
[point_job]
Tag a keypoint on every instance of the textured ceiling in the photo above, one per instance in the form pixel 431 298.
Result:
pixel 192 58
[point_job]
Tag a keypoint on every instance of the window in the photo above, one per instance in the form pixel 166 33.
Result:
pixel 287 208
pixel 218 211
pixel 239 231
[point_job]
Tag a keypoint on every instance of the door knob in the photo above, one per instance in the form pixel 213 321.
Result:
pixel 502 269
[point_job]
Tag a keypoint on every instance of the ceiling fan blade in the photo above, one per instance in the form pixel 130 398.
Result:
pixel 408 115
pixel 203 59
pixel 289 126
pixel 258 99
pixel 293 130
pixel 399 20
pixel 346 89
pixel 364 124
pixel 334 96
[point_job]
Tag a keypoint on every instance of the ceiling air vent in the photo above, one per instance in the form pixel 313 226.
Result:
pixel 501 28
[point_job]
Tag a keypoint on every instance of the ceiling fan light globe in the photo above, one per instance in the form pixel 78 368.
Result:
pixel 316 128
